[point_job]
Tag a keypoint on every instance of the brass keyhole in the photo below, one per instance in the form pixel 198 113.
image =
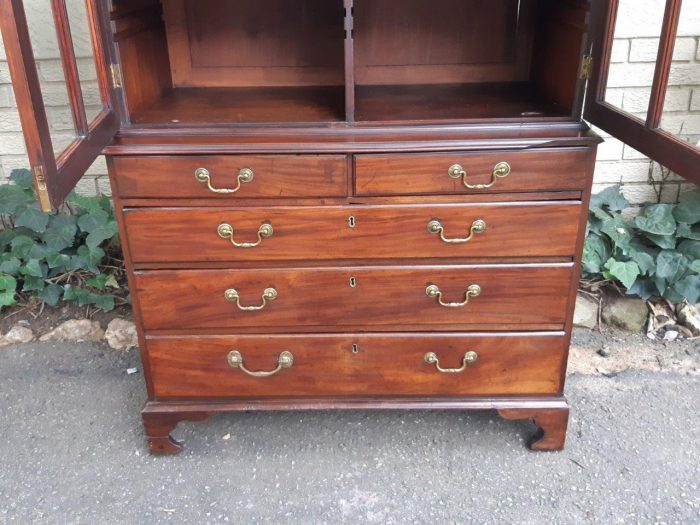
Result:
pixel 353 282
pixel 351 221
pixel 355 349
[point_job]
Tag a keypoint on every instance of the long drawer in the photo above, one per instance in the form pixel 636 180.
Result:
pixel 352 232
pixel 495 297
pixel 474 172
pixel 231 177
pixel 358 365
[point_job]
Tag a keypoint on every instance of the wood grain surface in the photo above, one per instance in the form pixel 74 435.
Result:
pixel 356 364
pixel 325 233
pixel 535 296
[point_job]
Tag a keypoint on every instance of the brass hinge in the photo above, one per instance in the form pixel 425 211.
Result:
pixel 586 67
pixel 41 189
pixel 116 75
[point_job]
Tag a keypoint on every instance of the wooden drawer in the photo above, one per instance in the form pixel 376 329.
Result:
pixel 531 297
pixel 274 176
pixel 422 174
pixel 353 232
pixel 356 365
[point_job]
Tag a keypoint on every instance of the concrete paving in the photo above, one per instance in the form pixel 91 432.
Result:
pixel 72 451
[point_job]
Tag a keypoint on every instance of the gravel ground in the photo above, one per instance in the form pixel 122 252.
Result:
pixel 73 451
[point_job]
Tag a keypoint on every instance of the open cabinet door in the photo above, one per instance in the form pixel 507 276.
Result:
pixel 659 122
pixel 61 145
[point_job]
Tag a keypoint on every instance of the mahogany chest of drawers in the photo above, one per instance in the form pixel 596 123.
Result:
pixel 337 204
pixel 328 280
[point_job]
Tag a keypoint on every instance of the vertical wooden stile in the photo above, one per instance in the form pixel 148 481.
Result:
pixel 348 25
pixel 667 43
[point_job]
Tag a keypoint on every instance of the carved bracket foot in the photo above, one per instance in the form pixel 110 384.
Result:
pixel 551 423
pixel 158 426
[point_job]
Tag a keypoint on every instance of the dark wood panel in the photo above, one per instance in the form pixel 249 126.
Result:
pixel 274 176
pixel 370 365
pixel 537 170
pixel 511 296
pixel 352 232
pixel 450 41
pixel 211 106
pixel 271 43
pixel 558 50
pixel 454 102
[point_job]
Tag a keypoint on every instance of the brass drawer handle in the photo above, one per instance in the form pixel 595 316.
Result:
pixel 265 231
pixel 232 296
pixel 474 290
pixel 432 359
pixel 245 175
pixel 478 226
pixel 235 360
pixel 500 171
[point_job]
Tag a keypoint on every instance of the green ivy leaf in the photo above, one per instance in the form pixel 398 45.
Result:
pixel 51 294
pixel 87 204
pixel 22 177
pixel 33 284
pixel 688 288
pixel 99 281
pixel 644 260
pixel 619 230
pixel 688 232
pixel 33 268
pixel 657 220
pixel 610 198
pixel 691 249
pixel 667 242
pixel 61 232
pixel 644 288
pixel 8 283
pixel 57 260
pixel 33 218
pixel 93 220
pixel 7 298
pixel 671 265
pixel 695 266
pixel 112 282
pixel 595 253
pixel 688 208
pixel 104 302
pixel 13 198
pixel 599 213
pixel 99 235
pixel 22 245
pixel 625 272
pixel 11 266
pixel 88 259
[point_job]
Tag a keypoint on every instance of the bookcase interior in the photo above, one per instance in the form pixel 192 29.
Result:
pixel 222 62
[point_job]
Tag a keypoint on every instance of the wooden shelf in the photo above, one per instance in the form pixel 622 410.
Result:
pixel 453 102
pixel 200 106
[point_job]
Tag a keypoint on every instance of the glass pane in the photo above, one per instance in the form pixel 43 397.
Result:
pixel 44 39
pixel 85 57
pixel 634 53
pixel 681 114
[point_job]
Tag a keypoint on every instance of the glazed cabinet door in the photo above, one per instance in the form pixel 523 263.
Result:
pixel 59 57
pixel 656 118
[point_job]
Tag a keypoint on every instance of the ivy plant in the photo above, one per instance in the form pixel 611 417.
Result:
pixel 57 257
pixel 656 253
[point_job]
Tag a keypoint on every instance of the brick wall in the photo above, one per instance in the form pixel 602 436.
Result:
pixel 634 55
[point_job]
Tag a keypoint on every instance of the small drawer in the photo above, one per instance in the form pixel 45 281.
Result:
pixel 259 366
pixel 231 177
pixel 488 297
pixel 473 173
pixel 353 232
